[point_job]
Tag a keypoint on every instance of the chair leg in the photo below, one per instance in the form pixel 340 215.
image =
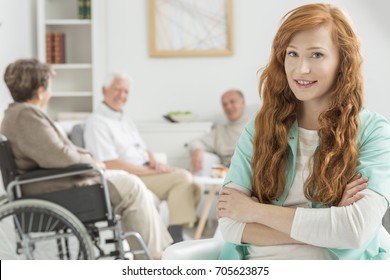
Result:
pixel 205 212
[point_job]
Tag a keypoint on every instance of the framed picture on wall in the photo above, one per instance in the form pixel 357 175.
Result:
pixel 190 28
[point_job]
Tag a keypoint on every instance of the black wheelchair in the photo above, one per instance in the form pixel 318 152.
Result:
pixel 65 224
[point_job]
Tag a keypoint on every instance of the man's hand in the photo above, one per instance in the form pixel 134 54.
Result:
pixel 156 166
pixel 161 167
pixel 196 161
pixel 100 164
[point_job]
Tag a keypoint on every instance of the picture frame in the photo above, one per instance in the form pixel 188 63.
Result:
pixel 179 28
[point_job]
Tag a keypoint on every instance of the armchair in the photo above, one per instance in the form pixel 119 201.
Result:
pixel 203 249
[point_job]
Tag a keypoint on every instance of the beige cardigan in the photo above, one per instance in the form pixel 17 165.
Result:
pixel 36 143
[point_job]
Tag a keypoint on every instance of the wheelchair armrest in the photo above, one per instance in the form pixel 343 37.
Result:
pixel 13 188
pixel 50 174
pixel 72 170
pixel 39 173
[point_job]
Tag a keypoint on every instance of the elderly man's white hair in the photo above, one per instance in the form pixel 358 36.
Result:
pixel 117 75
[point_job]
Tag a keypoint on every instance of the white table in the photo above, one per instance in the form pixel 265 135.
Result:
pixel 211 185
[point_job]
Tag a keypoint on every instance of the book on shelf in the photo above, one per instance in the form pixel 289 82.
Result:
pixel 55 48
pixel 59 47
pixel 88 9
pixel 49 47
pixel 84 9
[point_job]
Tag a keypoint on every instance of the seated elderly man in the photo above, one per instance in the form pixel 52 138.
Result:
pixel 223 137
pixel 114 139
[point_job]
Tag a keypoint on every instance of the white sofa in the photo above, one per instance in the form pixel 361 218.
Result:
pixel 203 249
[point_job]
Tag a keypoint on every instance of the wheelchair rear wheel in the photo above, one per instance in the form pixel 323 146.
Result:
pixel 38 229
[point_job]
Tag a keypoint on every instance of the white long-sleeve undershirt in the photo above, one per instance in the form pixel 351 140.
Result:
pixel 340 227
pixel 335 227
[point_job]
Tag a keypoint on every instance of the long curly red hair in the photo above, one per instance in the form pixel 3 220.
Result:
pixel 335 160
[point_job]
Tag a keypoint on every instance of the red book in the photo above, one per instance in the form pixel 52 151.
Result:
pixel 49 47
pixel 59 47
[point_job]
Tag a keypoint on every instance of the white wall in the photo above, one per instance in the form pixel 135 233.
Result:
pixel 17 38
pixel 166 84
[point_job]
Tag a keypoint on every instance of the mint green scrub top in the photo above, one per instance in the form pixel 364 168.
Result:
pixel 373 163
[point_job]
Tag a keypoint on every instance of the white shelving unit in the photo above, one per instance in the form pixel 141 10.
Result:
pixel 73 86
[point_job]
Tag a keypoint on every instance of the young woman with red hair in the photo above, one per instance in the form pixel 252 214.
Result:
pixel 289 193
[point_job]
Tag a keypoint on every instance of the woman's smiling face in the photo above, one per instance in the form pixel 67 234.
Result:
pixel 311 65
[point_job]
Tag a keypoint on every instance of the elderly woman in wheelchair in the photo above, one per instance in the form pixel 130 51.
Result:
pixel 39 163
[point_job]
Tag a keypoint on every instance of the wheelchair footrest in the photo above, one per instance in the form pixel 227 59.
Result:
pixel 114 253
pixel 111 241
